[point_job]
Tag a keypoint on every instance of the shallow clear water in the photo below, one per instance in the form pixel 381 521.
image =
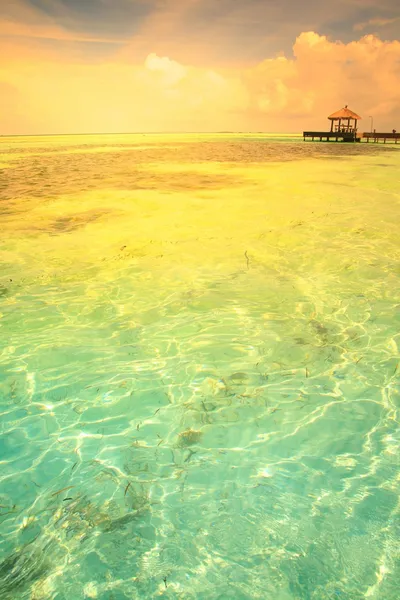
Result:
pixel 199 368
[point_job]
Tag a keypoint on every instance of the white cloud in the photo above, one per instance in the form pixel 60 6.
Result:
pixel 286 94
pixel 171 71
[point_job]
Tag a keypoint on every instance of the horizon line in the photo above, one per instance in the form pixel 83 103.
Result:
pixel 3 135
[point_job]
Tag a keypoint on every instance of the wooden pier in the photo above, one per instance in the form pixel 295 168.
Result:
pixel 336 136
pixel 332 136
pixel 374 136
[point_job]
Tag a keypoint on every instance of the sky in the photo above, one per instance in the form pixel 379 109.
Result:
pixel 104 66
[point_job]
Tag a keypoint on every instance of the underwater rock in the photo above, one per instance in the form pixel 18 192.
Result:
pixel 238 378
pixel 189 437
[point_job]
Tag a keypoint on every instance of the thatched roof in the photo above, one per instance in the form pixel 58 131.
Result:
pixel 344 113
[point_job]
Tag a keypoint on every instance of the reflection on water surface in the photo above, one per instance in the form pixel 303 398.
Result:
pixel 199 368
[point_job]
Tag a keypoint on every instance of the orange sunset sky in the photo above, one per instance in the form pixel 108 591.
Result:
pixel 83 66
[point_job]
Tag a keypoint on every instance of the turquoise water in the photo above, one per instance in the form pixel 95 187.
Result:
pixel 199 368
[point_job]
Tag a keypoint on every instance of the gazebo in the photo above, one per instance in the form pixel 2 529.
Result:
pixel 346 115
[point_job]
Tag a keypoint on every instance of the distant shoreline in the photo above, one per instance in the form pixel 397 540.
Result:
pixel 154 133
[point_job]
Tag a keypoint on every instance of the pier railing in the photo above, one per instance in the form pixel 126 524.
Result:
pixel 376 136
pixel 351 136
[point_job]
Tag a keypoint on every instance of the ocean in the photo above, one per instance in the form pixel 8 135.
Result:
pixel 199 368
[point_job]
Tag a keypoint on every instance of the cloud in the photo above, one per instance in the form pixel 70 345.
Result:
pixel 374 23
pixel 197 32
pixel 160 93
pixel 171 71
pixel 322 77
pixel 11 29
pixel 89 18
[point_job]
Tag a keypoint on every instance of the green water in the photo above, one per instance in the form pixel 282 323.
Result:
pixel 199 368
